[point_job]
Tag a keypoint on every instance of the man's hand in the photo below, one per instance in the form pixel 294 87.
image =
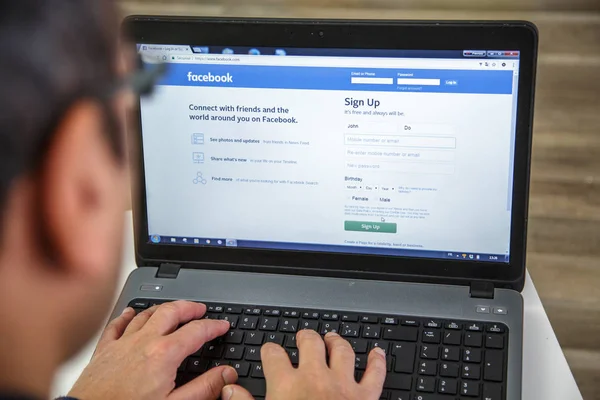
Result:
pixel 137 356
pixel 314 379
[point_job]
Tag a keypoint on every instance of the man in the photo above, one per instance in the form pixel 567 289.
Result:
pixel 62 185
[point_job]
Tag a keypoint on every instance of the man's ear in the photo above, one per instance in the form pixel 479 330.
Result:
pixel 81 195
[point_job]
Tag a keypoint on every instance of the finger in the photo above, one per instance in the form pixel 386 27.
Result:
pixel 191 337
pixel 311 349
pixel 207 386
pixel 115 328
pixel 170 315
pixel 275 361
pixel 140 320
pixel 235 392
pixel 341 355
pixel 374 375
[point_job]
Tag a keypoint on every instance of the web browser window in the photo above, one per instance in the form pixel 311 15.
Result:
pixel 399 153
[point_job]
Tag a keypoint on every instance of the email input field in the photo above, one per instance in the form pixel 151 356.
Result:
pixel 399 155
pixel 372 81
pixel 432 142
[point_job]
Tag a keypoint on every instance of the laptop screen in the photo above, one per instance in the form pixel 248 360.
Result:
pixel 405 153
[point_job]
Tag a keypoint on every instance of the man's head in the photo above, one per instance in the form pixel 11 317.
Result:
pixel 62 169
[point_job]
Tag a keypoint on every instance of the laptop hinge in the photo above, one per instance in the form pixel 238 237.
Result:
pixel 168 271
pixel 482 290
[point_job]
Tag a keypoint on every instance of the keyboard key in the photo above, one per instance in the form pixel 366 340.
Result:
pixel 248 323
pixel 197 365
pixel 268 324
pixel 450 354
pixel 447 386
pixel 389 321
pixel 257 371
pixel 349 318
pixel 369 319
pixel 274 338
pixel 182 366
pixel 453 326
pixel 233 310
pixel 495 328
pixel 272 313
pixel 234 352
pixel 430 352
pixel 429 396
pixel 329 327
pixel 405 357
pixel 492 391
pixel 471 371
pixel 494 362
pixel 470 389
pixel 242 368
pixel 452 337
pixel 213 350
pixel 426 384
pixel 360 361
pixel 217 363
pixel 449 370
pixel 211 316
pixel 252 311
pixel 330 316
pixel 312 325
pixel 385 346
pixel 428 368
pixel 289 325
pixel 473 339
pixel 396 395
pixel 293 356
pixel 140 304
pixel 233 320
pixel 256 387
pixel 475 327
pixel 493 341
pixel 401 333
pixel 310 315
pixel 253 353
pixel 358 375
pixel 371 331
pixel 398 382
pixel 432 336
pixel 385 395
pixel 234 337
pixel 350 330
pixel 432 324
pixel 389 361
pixel 359 345
pixel 410 322
pixel 255 338
pixel 472 355
pixel 290 342
pixel 291 314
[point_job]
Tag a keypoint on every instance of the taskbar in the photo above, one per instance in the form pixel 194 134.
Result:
pixel 350 249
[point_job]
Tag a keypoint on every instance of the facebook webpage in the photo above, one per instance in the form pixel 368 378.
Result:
pixel 406 157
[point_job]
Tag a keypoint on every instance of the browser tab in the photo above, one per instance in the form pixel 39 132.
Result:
pixel 474 53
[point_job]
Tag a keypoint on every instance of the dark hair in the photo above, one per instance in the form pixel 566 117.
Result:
pixel 52 53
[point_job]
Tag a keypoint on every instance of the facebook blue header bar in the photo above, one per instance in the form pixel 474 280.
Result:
pixel 351 79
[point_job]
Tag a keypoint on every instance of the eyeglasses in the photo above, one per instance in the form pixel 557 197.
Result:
pixel 143 81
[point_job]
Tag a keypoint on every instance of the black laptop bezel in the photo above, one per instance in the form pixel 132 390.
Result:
pixel 518 35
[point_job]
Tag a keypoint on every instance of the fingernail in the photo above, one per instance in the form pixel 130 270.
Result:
pixel 229 375
pixel 379 351
pixel 127 311
pixel 331 334
pixel 227 393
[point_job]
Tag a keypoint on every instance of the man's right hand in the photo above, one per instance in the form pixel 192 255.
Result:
pixel 314 379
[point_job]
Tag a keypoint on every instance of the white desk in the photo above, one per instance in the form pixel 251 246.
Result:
pixel 546 375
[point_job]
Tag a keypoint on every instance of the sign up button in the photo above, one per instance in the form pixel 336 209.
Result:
pixel 364 226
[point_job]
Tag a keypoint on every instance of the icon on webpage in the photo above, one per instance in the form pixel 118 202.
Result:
pixel 198 157
pixel 197 138
pixel 199 179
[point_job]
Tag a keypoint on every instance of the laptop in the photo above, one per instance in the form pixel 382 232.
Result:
pixel 362 177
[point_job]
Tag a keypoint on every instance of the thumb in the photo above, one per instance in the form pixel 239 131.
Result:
pixel 235 392
pixel 207 386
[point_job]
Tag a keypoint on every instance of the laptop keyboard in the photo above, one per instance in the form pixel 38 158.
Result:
pixel 428 359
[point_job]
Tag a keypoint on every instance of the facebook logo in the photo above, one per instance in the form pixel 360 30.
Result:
pixel 209 78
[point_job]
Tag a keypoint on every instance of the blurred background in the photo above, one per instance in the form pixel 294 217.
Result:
pixel 564 228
